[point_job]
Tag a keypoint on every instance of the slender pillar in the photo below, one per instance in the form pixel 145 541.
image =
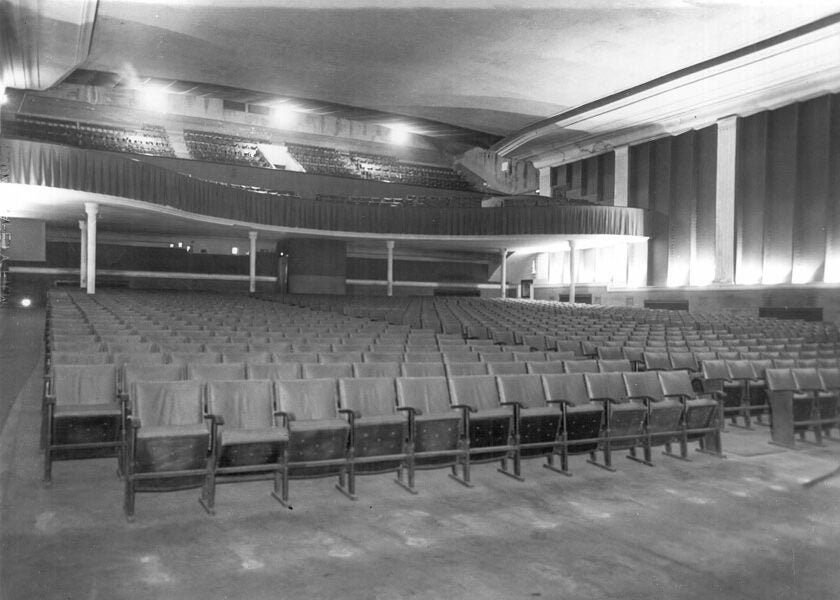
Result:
pixel 545 181
pixel 503 283
pixel 622 175
pixel 83 253
pixel 390 247
pixel 252 267
pixel 727 134
pixel 572 269
pixel 92 210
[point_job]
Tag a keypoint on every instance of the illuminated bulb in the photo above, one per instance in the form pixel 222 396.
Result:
pixel 152 98
pixel 26 302
pixel 283 115
pixel 234 250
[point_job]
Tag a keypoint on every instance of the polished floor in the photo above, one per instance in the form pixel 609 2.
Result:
pixel 739 528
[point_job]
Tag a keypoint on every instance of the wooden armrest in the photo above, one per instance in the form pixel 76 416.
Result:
pixel 410 410
pixel 467 407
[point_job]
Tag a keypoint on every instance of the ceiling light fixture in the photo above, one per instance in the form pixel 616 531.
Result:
pixel 153 98
pixel 400 133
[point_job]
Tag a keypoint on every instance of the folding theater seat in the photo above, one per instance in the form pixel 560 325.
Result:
pixel 618 365
pixel 378 431
pixel 250 442
pixel 215 372
pixel 656 361
pixel 82 415
pixel 716 378
pixel 339 357
pixel 319 438
pixel 381 369
pixel 183 358
pixel 137 358
pixel 581 419
pixel 702 412
pixel 610 352
pixel 743 372
pixel 259 357
pixel 139 372
pixel 580 366
pixel 830 378
pixel 624 421
pixel 464 369
pixel 434 428
pixel 507 368
pixel 460 356
pixel 824 401
pixel 422 370
pixel 537 423
pixel 488 425
pixel 169 439
pixel 549 367
pixel 326 370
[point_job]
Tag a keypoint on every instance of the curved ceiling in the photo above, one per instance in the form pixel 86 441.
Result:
pixel 493 68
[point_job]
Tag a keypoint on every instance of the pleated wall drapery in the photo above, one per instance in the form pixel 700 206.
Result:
pixel 787 194
pixel 106 173
pixel 674 179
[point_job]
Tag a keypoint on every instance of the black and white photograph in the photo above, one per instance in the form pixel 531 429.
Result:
pixel 419 299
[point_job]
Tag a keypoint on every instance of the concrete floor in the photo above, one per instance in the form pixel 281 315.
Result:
pixel 740 528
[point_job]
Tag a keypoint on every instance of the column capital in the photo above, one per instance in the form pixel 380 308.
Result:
pixel 389 244
pixel 252 235
pixel 572 244
pixel 91 208
pixel 727 122
pixel 82 224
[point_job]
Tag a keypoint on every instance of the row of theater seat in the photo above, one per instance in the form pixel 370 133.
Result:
pixel 176 434
pixel 664 420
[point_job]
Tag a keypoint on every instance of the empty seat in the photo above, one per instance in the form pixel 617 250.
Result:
pixel 82 415
pixel 324 371
pixel 183 358
pixel 624 421
pixel 246 357
pixel 422 370
pixel 618 365
pixel 339 357
pixel 168 439
pixel 319 438
pixel 290 370
pixel 379 432
pixel 507 368
pixel 581 366
pixel 702 412
pixel 377 369
pixel 250 441
pixel 468 368
pixel 537 424
pixel 546 367
pixel 663 424
pixel 488 424
pixel 656 361
pixel 582 419
pixel 434 427
pixel 215 372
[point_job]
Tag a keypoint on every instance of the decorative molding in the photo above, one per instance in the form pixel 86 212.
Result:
pixel 792 67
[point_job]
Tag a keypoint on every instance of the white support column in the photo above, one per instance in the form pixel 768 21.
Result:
pixel 252 267
pixel 727 134
pixel 622 176
pixel 92 210
pixel 572 269
pixel 503 283
pixel 545 181
pixel 389 245
pixel 83 253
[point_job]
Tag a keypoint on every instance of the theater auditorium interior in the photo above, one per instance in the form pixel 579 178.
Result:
pixel 382 299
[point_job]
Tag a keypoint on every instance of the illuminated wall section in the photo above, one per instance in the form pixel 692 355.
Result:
pixel 674 179
pixel 787 194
